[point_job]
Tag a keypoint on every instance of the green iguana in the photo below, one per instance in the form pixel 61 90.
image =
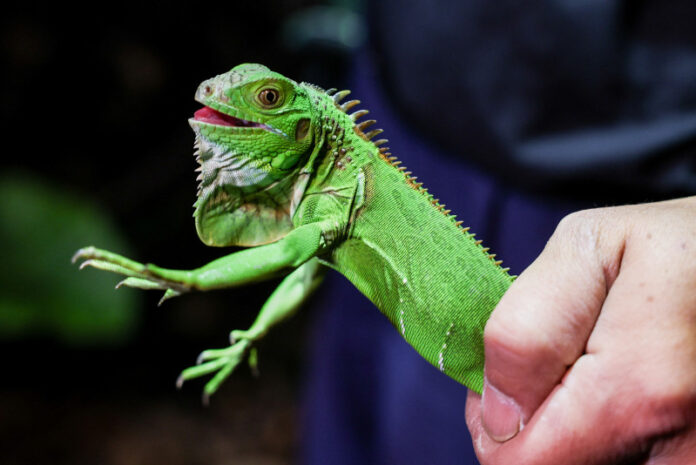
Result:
pixel 286 170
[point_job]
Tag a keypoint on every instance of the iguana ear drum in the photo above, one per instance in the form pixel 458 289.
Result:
pixel 302 129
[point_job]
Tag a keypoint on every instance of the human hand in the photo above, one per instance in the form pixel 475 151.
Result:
pixel 591 354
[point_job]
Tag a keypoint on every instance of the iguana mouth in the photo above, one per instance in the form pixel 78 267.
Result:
pixel 211 116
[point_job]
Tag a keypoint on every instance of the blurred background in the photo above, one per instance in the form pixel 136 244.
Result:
pixel 571 104
pixel 97 150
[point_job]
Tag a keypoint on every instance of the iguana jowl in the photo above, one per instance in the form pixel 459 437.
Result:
pixel 286 170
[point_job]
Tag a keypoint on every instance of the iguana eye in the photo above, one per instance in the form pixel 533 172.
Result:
pixel 269 97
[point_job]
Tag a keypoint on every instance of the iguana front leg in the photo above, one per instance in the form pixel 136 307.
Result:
pixel 246 266
pixel 296 250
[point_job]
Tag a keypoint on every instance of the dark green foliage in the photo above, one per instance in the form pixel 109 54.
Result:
pixel 41 294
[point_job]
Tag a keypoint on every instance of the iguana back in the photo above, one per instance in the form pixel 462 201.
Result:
pixel 402 249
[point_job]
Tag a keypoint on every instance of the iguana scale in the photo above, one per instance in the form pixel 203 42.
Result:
pixel 288 171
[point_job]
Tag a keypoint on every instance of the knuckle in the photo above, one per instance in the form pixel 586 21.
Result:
pixel 524 321
pixel 525 331
pixel 507 336
pixel 593 237
pixel 583 228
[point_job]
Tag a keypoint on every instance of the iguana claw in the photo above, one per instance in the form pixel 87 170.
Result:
pixel 224 361
pixel 148 284
pixel 137 274
pixel 81 253
pixel 141 283
pixel 168 294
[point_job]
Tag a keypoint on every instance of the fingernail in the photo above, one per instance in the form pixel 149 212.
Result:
pixel 500 415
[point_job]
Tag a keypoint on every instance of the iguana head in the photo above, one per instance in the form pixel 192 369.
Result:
pixel 253 137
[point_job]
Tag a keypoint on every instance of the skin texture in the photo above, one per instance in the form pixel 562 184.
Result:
pixel 288 171
pixel 590 355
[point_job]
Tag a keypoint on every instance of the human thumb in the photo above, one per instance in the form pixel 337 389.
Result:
pixel 541 325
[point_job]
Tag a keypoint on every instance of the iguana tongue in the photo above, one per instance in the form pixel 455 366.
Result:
pixel 210 116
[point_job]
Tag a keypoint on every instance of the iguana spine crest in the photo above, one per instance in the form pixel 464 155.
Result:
pixel 392 160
